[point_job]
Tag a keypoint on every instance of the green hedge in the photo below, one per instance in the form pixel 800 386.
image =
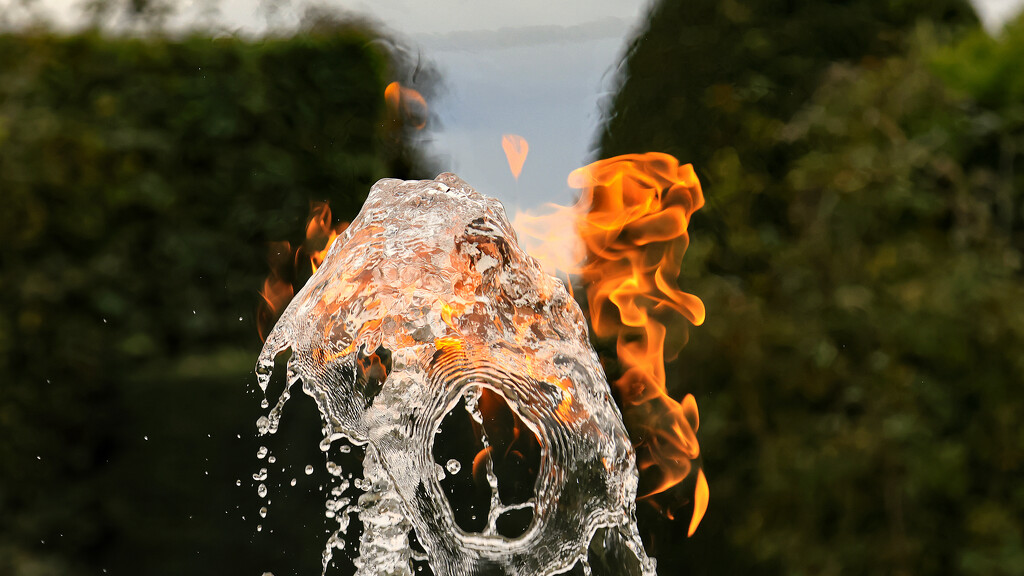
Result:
pixel 140 181
pixel 860 256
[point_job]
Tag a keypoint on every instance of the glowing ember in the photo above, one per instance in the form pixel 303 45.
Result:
pixel 516 148
pixel 405 106
pixel 631 222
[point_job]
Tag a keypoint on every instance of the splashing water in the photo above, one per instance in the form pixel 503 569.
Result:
pixel 427 307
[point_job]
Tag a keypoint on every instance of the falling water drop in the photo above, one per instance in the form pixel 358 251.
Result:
pixel 262 490
pixel 262 452
pixel 263 425
pixel 272 459
pixel 309 469
pixel 293 482
pixel 453 466
pixel 261 475
pixel 263 512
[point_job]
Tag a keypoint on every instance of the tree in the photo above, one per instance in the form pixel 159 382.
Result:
pixel 860 259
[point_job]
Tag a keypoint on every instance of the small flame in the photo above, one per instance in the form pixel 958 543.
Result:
pixel 277 291
pixel 284 263
pixel 406 105
pixel 516 148
pixel 319 232
pixel 630 236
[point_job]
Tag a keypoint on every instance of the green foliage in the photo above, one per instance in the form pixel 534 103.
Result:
pixel 861 262
pixel 140 181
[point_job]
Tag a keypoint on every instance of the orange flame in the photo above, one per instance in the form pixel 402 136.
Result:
pixel 277 291
pixel 516 148
pixel 631 221
pixel 284 263
pixel 405 106
pixel 320 232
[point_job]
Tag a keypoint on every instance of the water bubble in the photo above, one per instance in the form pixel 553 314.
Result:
pixel 262 452
pixel 453 466
pixel 309 469
pixel 262 490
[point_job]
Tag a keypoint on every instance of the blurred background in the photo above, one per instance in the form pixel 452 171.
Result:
pixel 860 256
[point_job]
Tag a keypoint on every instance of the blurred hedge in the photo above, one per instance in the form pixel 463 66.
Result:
pixel 860 256
pixel 140 181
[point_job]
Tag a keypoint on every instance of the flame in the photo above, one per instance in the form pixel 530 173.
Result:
pixel 284 263
pixel 631 232
pixel 516 148
pixel 405 106
pixel 319 231
pixel 277 291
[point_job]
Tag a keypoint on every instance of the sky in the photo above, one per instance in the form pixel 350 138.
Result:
pixel 536 68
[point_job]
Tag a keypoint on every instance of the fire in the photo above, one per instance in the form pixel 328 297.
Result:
pixel 320 232
pixel 406 105
pixel 631 228
pixel 277 290
pixel 284 262
pixel 516 148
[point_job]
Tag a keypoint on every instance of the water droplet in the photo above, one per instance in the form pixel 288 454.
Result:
pixel 261 475
pixel 293 482
pixel 263 425
pixel 145 438
pixel 272 459
pixel 453 466
pixel 263 512
pixel 309 469
pixel 262 490
pixel 265 403
pixel 239 318
pixel 262 452
pixel 259 527
pixel 344 448
pixel 238 482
